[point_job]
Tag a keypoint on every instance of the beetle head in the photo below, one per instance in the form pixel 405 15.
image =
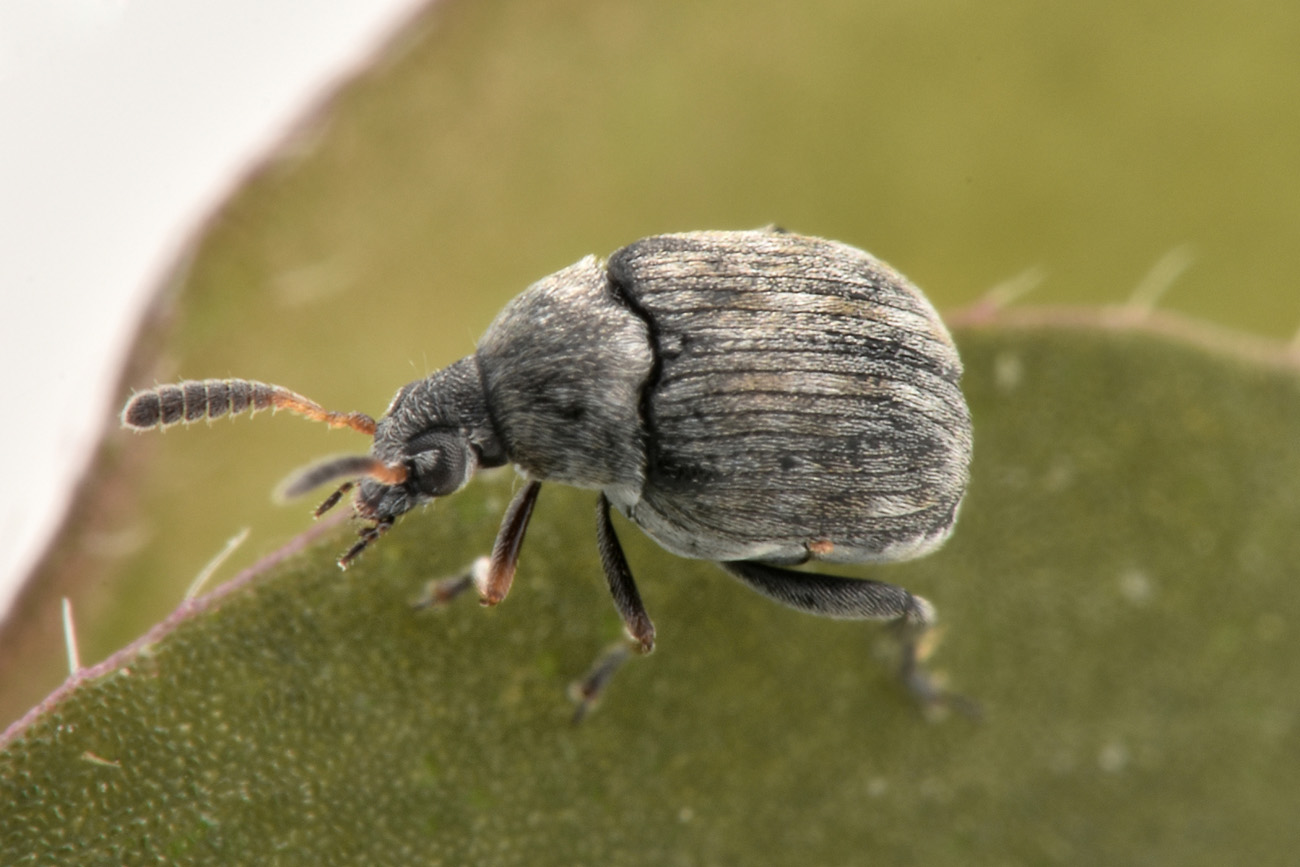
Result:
pixel 434 436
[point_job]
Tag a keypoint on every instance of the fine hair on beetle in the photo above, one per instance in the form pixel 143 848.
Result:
pixel 759 399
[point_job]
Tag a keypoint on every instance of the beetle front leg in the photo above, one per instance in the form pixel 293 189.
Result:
pixel 636 620
pixel 856 599
pixel 492 575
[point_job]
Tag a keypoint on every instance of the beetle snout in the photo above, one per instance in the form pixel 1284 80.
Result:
pixel 377 501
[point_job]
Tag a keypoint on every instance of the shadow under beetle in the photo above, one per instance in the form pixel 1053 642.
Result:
pixel 757 398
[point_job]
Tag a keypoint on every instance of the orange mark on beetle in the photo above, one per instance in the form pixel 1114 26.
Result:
pixel 820 547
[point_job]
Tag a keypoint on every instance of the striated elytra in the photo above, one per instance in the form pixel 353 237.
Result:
pixel 758 398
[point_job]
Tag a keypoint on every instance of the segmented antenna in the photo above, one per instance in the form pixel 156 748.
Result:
pixel 194 400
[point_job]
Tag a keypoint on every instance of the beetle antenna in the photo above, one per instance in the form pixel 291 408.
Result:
pixel 195 400
pixel 345 467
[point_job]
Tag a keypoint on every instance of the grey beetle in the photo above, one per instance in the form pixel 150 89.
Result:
pixel 757 398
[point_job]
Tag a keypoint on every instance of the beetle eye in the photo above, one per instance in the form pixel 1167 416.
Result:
pixel 440 470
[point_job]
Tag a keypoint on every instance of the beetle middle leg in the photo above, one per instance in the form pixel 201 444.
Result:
pixel 858 599
pixel 636 620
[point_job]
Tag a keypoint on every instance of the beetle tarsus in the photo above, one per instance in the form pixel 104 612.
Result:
pixel 441 592
pixel 586 693
pixel 917 641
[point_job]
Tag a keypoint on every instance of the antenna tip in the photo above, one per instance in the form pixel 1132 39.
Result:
pixel 142 411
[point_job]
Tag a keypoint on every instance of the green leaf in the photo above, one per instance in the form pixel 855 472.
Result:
pixel 1120 595
pixel 498 142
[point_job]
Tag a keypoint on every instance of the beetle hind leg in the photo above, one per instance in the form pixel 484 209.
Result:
pixel 911 616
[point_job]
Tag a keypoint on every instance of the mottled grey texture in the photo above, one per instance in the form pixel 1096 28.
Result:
pixel 805 401
pixel 564 367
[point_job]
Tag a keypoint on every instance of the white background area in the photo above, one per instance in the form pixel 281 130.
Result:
pixel 122 124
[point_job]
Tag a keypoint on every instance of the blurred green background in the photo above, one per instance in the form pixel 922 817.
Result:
pixel 496 142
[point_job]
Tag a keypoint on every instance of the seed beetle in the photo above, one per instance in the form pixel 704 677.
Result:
pixel 759 399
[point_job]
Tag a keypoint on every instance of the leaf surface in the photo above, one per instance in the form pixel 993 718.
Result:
pixel 1120 595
